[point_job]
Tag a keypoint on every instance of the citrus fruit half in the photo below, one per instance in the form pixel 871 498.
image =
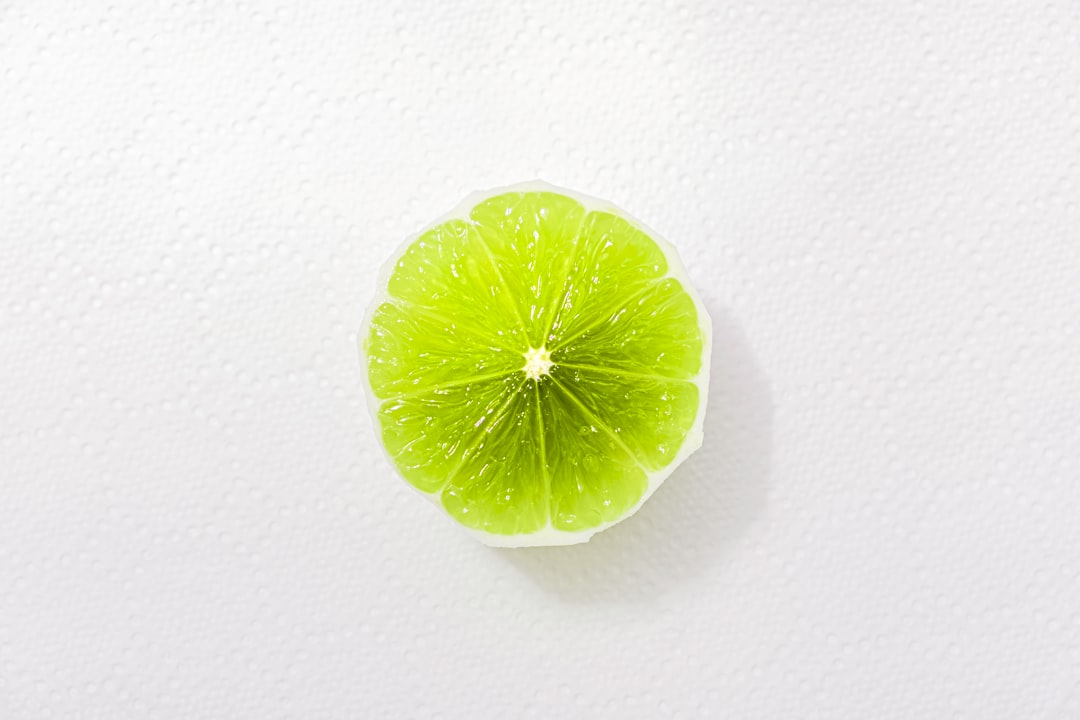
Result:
pixel 537 364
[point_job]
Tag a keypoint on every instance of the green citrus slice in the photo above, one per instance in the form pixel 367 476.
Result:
pixel 537 364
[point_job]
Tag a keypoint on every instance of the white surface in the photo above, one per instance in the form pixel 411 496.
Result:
pixel 878 202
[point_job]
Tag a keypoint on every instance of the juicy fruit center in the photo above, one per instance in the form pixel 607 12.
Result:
pixel 537 362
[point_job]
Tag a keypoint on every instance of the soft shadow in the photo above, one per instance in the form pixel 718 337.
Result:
pixel 697 515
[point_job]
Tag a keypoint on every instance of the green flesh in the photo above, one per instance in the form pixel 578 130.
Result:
pixel 573 448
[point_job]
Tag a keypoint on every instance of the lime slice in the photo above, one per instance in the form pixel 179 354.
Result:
pixel 537 364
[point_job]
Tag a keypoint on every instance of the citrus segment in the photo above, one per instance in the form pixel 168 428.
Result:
pixel 428 433
pixel 410 350
pixel 498 486
pixel 649 414
pixel 654 331
pixel 530 237
pixel 446 273
pixel 613 262
pixel 593 477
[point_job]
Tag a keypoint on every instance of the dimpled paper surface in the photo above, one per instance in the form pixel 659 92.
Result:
pixel 877 201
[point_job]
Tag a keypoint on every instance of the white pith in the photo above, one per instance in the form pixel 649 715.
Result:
pixel 538 362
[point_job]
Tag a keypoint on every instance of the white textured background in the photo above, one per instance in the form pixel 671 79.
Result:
pixel 877 200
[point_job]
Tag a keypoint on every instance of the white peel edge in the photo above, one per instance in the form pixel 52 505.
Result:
pixel 549 535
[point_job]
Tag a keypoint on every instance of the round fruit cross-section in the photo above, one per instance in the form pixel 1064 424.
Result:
pixel 537 364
